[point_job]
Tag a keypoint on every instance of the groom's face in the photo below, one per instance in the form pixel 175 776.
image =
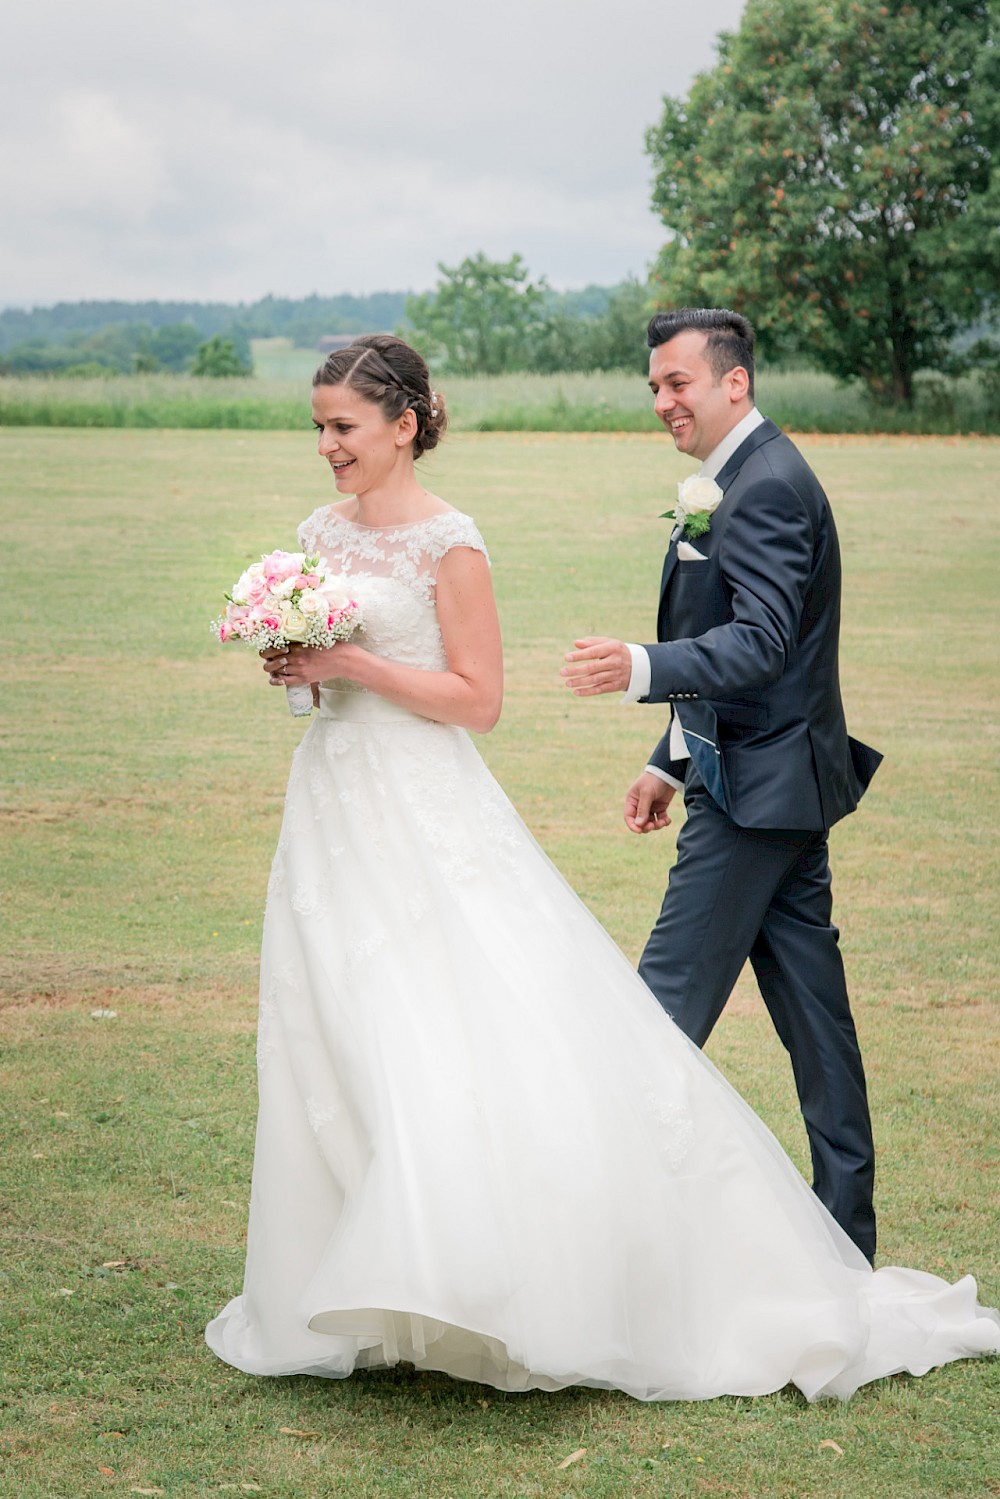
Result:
pixel 696 408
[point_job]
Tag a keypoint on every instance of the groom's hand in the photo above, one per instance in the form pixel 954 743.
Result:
pixel 597 665
pixel 646 803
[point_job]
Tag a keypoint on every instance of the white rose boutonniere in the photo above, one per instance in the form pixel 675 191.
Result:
pixel 697 500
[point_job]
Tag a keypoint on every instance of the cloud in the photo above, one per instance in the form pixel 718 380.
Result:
pixel 223 150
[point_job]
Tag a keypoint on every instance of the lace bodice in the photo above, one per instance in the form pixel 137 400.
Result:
pixel 393 574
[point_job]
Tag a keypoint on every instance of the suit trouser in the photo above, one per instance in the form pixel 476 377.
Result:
pixel 736 893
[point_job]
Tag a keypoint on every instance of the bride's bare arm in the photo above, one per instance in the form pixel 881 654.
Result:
pixel 470 692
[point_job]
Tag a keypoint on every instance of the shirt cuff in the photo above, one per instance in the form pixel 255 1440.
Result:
pixel 654 770
pixel 642 674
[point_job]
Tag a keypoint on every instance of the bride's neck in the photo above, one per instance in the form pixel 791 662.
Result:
pixel 393 504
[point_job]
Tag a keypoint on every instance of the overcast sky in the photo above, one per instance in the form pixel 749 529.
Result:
pixel 224 149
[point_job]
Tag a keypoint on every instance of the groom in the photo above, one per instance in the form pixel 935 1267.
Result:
pixel 748 629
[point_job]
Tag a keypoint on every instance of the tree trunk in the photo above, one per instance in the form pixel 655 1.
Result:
pixel 902 370
pixel 900 327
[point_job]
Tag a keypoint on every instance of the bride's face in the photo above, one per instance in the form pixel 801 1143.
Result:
pixel 362 448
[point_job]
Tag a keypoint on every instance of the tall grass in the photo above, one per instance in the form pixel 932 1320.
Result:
pixel 277 399
pixel 150 401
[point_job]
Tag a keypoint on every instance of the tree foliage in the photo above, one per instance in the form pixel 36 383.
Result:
pixel 118 349
pixel 219 357
pixel 304 319
pixel 487 317
pixel 610 339
pixel 482 318
pixel 833 177
pixel 173 347
pixel 592 328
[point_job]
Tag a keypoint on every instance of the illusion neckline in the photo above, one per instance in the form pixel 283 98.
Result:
pixel 410 525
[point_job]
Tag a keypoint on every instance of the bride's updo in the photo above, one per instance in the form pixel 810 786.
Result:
pixel 394 377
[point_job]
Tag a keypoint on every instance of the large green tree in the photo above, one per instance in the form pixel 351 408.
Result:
pixel 483 316
pixel 221 357
pixel 833 177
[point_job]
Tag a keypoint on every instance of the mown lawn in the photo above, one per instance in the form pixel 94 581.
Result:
pixel 143 775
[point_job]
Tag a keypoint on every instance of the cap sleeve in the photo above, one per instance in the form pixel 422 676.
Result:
pixel 454 529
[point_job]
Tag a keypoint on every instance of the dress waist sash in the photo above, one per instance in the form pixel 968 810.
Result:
pixel 364 707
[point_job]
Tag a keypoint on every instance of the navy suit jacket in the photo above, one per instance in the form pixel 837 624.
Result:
pixel 748 644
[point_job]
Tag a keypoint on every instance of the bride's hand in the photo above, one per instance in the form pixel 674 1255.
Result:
pixel 298 665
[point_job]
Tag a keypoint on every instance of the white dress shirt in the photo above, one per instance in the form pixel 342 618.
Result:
pixel 639 681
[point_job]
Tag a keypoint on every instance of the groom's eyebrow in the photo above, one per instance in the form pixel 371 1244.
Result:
pixel 670 375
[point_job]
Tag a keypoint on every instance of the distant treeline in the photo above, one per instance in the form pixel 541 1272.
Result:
pixel 137 337
pixel 303 319
pixel 132 349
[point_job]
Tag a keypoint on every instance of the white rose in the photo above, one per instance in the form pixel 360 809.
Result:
pixel 311 604
pixel 697 495
pixel 336 593
pixel 255 570
pixel 284 589
pixel 242 587
pixel 294 625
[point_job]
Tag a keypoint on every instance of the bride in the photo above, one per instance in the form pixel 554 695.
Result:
pixel 482 1145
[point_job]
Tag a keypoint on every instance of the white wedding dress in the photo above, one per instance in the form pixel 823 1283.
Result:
pixel 482 1146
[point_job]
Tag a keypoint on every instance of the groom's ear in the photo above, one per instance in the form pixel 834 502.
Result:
pixel 737 383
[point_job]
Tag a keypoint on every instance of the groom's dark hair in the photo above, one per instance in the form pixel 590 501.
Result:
pixel 729 336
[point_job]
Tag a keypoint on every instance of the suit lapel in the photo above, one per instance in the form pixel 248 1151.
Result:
pixel 669 563
pixel 764 433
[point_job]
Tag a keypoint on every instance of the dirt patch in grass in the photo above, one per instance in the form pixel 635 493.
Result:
pixel 223 1000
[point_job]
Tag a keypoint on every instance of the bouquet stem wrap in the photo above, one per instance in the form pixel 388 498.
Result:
pixel 300 699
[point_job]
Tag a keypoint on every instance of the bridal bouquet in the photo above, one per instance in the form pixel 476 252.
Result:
pixel 287 598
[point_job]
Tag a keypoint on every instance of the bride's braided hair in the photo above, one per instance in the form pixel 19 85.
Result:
pixel 394 377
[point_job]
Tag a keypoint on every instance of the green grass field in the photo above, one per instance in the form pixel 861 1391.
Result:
pixel 143 776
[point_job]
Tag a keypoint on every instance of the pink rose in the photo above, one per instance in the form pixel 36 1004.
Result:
pixel 280 565
pixel 256 590
pixel 226 631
